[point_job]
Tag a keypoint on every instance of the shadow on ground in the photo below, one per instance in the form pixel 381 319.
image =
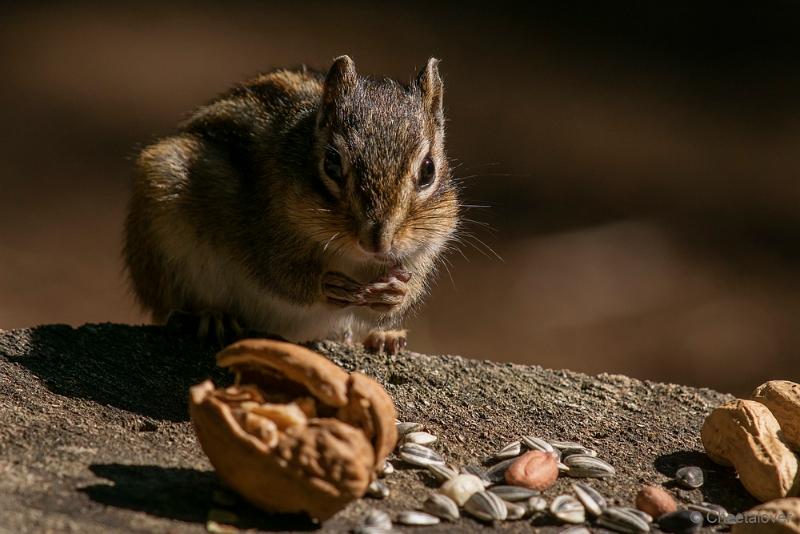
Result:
pixel 120 367
pixel 720 486
pixel 172 492
pixel 181 494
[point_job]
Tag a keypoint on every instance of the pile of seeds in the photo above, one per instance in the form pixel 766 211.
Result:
pixel 510 489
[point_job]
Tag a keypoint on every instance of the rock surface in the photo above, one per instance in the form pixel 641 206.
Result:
pixel 95 436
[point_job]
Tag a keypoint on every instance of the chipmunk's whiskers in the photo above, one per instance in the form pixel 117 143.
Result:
pixel 328 242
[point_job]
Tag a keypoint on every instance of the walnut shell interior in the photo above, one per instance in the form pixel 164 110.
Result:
pixel 295 433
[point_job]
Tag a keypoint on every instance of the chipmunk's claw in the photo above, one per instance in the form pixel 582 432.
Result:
pixel 390 342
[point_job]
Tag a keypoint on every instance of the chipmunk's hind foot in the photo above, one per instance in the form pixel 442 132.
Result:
pixel 215 328
pixel 390 342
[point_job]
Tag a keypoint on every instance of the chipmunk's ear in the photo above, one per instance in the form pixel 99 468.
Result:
pixel 432 88
pixel 340 80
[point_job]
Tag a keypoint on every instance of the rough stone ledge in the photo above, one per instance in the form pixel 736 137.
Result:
pixel 95 437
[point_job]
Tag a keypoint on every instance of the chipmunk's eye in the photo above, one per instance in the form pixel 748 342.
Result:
pixel 427 173
pixel 333 165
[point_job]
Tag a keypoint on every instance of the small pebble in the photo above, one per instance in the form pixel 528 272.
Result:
pixel 689 477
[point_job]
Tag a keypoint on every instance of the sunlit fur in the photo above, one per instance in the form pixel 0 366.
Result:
pixel 233 213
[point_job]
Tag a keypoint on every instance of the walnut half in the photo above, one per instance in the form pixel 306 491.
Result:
pixel 296 433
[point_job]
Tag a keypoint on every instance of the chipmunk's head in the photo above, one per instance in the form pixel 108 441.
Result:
pixel 382 167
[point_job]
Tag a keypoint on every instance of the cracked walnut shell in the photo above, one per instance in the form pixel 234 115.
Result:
pixel 296 433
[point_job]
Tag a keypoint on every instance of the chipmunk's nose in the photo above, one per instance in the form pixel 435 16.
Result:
pixel 376 238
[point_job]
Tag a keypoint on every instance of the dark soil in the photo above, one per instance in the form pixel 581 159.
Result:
pixel 95 436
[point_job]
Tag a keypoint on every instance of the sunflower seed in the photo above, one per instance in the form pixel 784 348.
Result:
pixel 420 438
pixel 513 493
pixel 712 513
pixel 590 498
pixel 575 530
pixel 537 444
pixel 441 472
pixel 419 455
pixel 621 520
pixel 415 518
pixel 681 522
pixel 568 448
pixel 514 511
pixel 377 519
pixel 497 473
pixel 441 506
pixel 562 467
pixel 405 428
pixel 561 444
pixel 461 487
pixel 378 490
pixel 478 472
pixel 584 466
pixel 689 477
pixel 512 450
pixel 373 530
pixel 568 509
pixel 578 450
pixel 486 507
pixel 387 468
pixel 644 516
pixel 536 505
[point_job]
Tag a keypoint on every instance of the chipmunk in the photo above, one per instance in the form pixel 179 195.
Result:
pixel 301 204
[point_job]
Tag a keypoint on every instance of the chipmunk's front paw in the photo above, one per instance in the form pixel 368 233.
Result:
pixel 386 341
pixel 341 290
pixel 382 294
pixel 215 328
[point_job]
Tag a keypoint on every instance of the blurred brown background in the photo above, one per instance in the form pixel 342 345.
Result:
pixel 641 162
